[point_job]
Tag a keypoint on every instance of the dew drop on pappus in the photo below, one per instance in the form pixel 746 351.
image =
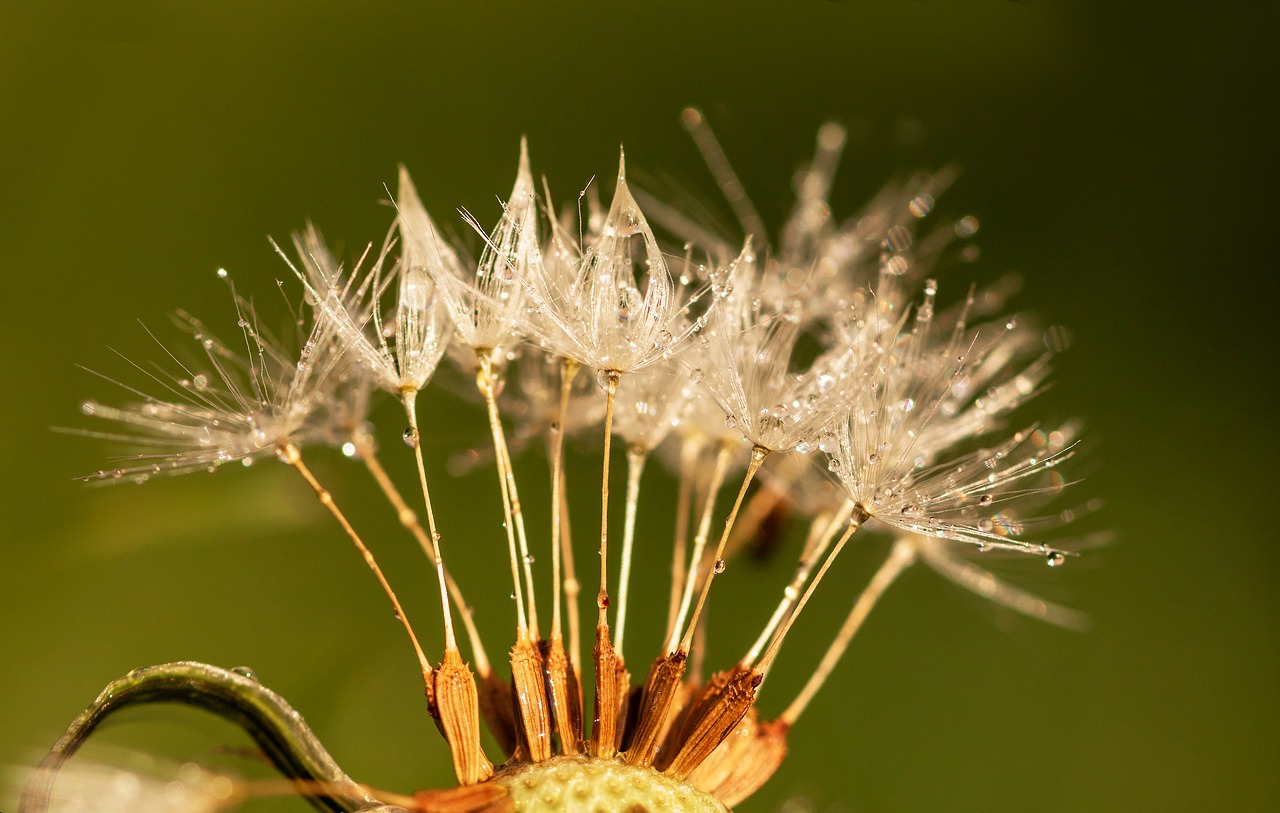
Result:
pixel 1054 559
pixel 985 499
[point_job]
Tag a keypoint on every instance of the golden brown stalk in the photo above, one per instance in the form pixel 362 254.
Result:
pixel 656 702
pixel 699 543
pixel 564 695
pixel 409 519
pixel 717 721
pixel 529 684
pixel 900 558
pixel 758 454
pixel 608 702
pixel 604 737
pixel 289 453
pixel 858 517
pixel 568 368
pixel 756 763
pixel 409 397
pixel 458 703
pixel 690 449
pixel 485 383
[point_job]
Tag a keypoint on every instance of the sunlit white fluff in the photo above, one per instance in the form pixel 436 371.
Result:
pixel 484 301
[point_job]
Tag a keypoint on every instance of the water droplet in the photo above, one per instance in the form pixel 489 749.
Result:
pixel 411 438
pixel 910 510
pixel 1054 559
pixel 921 204
pixel 554 428
pixel 664 339
pixel 720 566
pixel 833 464
pixel 222 273
pixel 825 382
pixel 245 672
pixel 985 499
pixel 1057 338
pixel 897 238
pixel 200 382
pixel 873 458
pixel 349 449
pixel 528 559
pixel 695 375
pixel 985 525
pixel 730 422
pixel 967 226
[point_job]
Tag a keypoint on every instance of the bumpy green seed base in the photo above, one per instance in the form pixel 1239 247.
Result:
pixel 583 785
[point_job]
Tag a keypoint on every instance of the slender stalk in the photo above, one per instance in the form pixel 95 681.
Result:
pixel 290 454
pixel 690 448
pixel 409 518
pixel 700 541
pixel 518 513
pixel 758 454
pixel 900 558
pixel 855 522
pixel 485 383
pixel 602 597
pixel 636 458
pixel 568 368
pixel 572 587
pixel 410 408
pixel 824 532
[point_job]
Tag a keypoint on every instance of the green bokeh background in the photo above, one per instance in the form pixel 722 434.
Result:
pixel 1121 159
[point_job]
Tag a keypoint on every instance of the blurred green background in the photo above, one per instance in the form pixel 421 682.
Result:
pixel 1121 159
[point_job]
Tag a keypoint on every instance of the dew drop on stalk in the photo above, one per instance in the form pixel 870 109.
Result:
pixel 720 566
pixel 921 204
pixel 411 437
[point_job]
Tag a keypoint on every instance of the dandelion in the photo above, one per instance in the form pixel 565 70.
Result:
pixel 824 365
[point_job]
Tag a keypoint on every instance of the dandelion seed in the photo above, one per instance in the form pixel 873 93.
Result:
pixel 834 343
